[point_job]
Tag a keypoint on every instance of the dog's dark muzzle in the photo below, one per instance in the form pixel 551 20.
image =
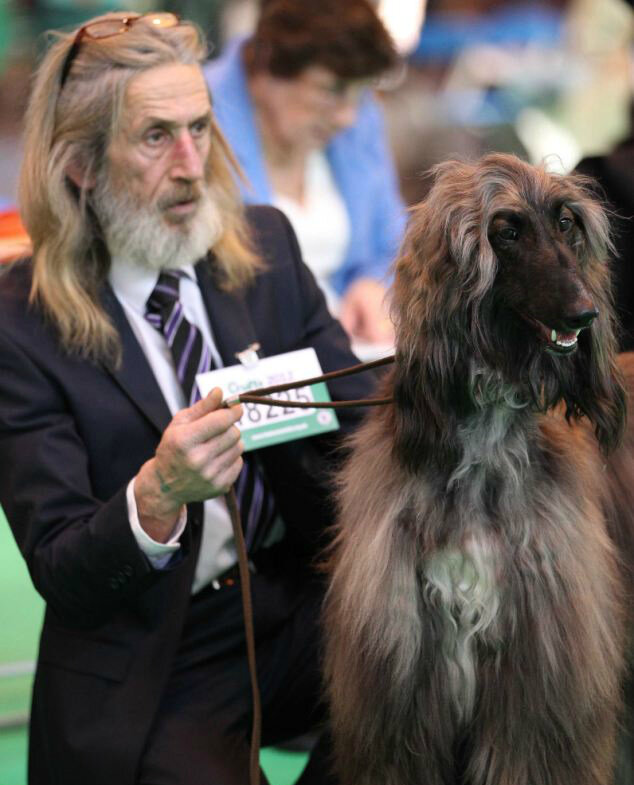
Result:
pixel 563 339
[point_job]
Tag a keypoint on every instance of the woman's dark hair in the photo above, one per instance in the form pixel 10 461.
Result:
pixel 344 36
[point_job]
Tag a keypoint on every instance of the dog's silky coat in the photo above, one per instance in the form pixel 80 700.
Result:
pixel 475 622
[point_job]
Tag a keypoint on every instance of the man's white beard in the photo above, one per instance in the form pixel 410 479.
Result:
pixel 140 234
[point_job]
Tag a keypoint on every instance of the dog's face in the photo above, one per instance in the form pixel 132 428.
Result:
pixel 504 275
pixel 540 275
pixel 510 262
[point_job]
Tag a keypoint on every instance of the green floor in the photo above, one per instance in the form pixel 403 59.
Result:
pixel 20 617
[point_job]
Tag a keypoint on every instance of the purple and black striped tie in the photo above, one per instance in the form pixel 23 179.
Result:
pixel 191 356
pixel 164 311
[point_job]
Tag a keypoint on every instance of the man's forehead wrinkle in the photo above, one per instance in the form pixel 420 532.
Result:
pixel 139 117
pixel 171 101
pixel 152 107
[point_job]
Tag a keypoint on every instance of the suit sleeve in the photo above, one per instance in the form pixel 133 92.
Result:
pixel 80 551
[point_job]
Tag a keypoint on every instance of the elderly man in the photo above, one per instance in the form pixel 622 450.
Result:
pixel 145 272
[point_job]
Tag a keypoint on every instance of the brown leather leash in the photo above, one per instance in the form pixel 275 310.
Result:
pixel 258 396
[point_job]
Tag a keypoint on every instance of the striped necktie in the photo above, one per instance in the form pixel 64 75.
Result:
pixel 191 356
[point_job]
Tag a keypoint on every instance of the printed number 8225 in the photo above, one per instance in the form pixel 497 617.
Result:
pixel 262 413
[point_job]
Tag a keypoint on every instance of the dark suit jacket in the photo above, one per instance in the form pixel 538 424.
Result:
pixel 72 435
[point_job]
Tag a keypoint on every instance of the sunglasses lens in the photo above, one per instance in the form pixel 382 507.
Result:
pixel 160 20
pixel 105 28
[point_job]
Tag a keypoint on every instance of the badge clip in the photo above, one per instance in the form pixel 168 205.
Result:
pixel 249 357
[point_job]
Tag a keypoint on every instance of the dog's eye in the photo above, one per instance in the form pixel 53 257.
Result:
pixel 565 223
pixel 508 234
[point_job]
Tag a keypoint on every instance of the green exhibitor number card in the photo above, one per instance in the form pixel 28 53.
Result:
pixel 262 424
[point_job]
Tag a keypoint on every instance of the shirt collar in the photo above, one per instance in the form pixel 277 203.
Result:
pixel 134 284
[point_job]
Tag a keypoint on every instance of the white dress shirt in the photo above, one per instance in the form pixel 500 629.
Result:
pixel 132 286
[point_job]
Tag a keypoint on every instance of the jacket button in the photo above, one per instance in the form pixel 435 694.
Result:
pixel 127 570
pixel 114 582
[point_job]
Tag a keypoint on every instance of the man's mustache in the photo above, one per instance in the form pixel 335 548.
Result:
pixel 189 193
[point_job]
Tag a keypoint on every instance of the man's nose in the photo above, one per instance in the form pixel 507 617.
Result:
pixel 187 159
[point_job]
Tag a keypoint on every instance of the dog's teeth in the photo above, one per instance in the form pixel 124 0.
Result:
pixel 566 342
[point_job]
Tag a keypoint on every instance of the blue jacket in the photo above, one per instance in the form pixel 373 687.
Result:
pixel 359 159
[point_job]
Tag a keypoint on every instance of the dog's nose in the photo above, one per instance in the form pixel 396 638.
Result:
pixel 581 320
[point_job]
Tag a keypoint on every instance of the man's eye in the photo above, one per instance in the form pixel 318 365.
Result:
pixel 155 136
pixel 199 128
pixel 508 234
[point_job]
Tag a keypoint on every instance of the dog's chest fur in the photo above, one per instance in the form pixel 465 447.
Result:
pixel 495 510
pixel 462 586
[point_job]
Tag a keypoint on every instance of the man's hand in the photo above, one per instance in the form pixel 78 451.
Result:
pixel 364 314
pixel 198 458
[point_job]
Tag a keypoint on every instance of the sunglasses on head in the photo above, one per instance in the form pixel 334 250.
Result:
pixel 106 28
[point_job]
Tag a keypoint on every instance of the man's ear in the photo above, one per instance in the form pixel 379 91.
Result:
pixel 78 175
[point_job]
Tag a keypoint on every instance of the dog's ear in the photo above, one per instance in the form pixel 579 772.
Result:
pixel 440 281
pixel 602 397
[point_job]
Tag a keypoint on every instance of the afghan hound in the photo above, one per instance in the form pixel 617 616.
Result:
pixel 477 609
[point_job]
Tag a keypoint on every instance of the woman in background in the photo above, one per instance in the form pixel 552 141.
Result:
pixel 295 104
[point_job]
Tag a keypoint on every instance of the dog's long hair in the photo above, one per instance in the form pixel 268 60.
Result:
pixel 476 612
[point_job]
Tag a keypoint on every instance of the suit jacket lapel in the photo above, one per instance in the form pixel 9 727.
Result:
pixel 229 317
pixel 134 374
pixel 232 328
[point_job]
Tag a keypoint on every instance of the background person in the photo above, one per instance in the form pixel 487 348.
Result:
pixel 295 104
pixel 145 270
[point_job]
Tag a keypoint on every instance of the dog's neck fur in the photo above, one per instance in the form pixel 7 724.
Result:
pixel 483 438
pixel 492 436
